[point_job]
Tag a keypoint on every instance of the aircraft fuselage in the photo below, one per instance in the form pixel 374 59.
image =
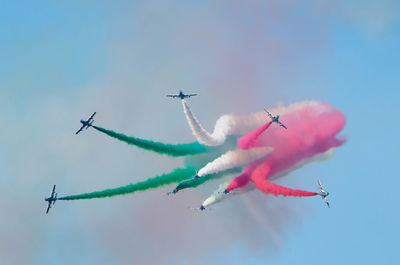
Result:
pixel 86 123
pixel 324 194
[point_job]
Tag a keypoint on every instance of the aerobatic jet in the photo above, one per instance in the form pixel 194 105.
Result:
pixel 52 199
pixel 86 124
pixel 181 95
pixel 172 192
pixel 275 119
pixel 323 193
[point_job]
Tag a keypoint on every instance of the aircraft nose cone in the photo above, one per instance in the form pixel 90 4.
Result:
pixel 202 208
pixel 226 191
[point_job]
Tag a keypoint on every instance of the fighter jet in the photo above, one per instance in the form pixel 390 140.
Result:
pixel 172 192
pixel 323 193
pixel 86 124
pixel 201 208
pixel 52 199
pixel 275 119
pixel 181 95
pixel 184 185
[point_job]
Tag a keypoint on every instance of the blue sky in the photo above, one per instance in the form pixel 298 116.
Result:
pixel 60 61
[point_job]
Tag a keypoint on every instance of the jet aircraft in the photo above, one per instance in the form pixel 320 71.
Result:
pixel 181 95
pixel 323 193
pixel 52 199
pixel 86 124
pixel 275 119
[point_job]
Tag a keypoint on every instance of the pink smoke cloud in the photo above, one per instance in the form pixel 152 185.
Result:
pixel 312 130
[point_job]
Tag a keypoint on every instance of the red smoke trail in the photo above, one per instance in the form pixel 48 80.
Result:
pixel 312 130
pixel 250 140
pixel 258 177
pixel 244 178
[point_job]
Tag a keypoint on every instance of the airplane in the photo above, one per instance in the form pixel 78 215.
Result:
pixel 172 192
pixel 275 119
pixel 182 185
pixel 86 124
pixel 52 199
pixel 323 193
pixel 181 95
pixel 201 208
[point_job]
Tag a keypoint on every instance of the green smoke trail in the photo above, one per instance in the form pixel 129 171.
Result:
pixel 194 182
pixel 161 148
pixel 177 175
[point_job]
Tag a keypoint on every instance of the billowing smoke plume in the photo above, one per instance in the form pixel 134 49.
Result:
pixel 313 130
pixel 157 147
pixel 235 158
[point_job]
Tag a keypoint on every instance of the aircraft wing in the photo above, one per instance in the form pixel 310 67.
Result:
pixel 327 203
pixel 172 96
pixel 83 126
pixel 319 186
pixel 269 114
pixel 191 95
pixel 281 124
pixel 48 208
pixel 91 117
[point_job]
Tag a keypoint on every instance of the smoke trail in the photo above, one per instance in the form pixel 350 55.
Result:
pixel 161 148
pixel 251 139
pixel 269 187
pixel 194 182
pixel 243 179
pixel 220 195
pixel 216 138
pixel 235 158
pixel 175 176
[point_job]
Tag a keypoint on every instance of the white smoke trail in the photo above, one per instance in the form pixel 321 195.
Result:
pixel 219 194
pixel 216 138
pixel 235 158
pixel 240 124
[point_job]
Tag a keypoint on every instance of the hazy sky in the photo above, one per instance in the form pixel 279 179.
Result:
pixel 60 61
